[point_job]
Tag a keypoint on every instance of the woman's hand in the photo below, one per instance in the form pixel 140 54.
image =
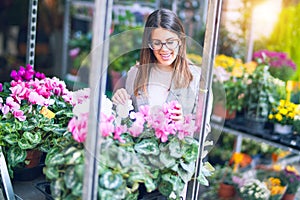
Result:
pixel 176 114
pixel 120 97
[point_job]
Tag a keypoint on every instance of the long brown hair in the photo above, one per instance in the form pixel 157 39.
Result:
pixel 168 20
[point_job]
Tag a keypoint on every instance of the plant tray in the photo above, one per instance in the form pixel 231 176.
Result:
pixel 239 123
pixel 28 174
pixel 44 187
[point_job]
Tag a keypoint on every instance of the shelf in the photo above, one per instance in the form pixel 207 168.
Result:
pixel 264 137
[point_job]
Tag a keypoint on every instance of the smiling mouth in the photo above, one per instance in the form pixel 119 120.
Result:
pixel 166 56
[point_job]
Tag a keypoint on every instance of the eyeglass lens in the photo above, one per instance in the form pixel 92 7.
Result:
pixel 157 44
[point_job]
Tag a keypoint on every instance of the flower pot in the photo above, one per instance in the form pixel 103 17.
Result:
pixel 283 129
pixel 255 125
pixel 221 111
pixel 226 191
pixel 288 197
pixel 34 158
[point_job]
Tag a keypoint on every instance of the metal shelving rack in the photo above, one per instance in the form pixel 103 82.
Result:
pixel 240 135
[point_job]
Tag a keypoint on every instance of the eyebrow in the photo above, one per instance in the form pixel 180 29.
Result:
pixel 166 39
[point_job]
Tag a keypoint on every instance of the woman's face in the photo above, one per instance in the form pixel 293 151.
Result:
pixel 165 45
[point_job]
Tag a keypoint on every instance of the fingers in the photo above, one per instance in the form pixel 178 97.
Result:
pixel 120 96
pixel 176 114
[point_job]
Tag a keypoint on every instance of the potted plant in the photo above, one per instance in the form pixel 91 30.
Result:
pixel 228 86
pixel 291 177
pixel 283 116
pixel 254 189
pixel 34 111
pixel 277 188
pixel 144 148
pixel 259 97
pixel 281 66
pixel 227 186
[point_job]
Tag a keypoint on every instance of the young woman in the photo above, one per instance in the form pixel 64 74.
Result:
pixel 163 73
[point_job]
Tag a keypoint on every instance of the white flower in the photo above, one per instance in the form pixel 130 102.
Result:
pixel 123 109
pixel 84 105
pixel 106 106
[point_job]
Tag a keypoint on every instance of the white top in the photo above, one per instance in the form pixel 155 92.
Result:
pixel 159 86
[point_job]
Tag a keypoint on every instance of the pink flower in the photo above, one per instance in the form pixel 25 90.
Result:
pixel 12 104
pixel 1 87
pixel 5 109
pixel 136 129
pixel 106 128
pixel 162 135
pixel 79 127
pixel 73 53
pixel 35 98
pixel 40 75
pixel 19 114
pixel 118 132
pixel 145 110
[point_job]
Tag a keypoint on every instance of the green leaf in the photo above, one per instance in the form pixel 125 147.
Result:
pixel 77 189
pixel 57 188
pixel 154 160
pixel 175 150
pixel 51 172
pixel 11 138
pixel 166 159
pixel 16 155
pixel 135 177
pixel 76 157
pixel 147 147
pixel 79 170
pixel 203 180
pixel 23 143
pixel 190 167
pixel 150 184
pixel 186 176
pixel 56 159
pixel 70 177
pixel 111 181
pixel 33 138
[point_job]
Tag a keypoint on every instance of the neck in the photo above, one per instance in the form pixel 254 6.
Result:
pixel 166 68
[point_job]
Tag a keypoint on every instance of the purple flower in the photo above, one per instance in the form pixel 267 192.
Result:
pixel 274 59
pixel 40 75
pixel 1 87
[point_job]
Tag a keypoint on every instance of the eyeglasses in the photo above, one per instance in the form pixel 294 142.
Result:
pixel 171 44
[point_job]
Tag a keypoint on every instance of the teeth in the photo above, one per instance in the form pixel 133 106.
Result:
pixel 166 56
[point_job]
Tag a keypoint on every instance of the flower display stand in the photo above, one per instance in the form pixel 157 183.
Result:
pixel 282 129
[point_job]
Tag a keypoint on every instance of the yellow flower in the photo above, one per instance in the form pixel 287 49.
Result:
pixel 281 102
pixel 283 111
pixel 250 67
pixel 278 117
pixel 291 168
pixel 237 71
pixel 277 168
pixel 291 115
pixel 271 116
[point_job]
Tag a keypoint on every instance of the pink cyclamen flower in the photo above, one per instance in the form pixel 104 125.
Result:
pixel 12 104
pixel 136 129
pixel 5 109
pixel 106 128
pixel 39 75
pixel 78 128
pixel 19 114
pixel 119 130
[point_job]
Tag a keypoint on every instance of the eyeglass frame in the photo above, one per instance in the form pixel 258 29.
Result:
pixel 164 43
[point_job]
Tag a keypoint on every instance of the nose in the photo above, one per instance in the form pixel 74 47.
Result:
pixel 164 46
